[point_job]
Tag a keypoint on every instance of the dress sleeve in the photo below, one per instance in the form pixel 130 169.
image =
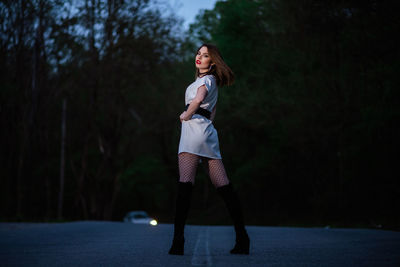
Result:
pixel 209 82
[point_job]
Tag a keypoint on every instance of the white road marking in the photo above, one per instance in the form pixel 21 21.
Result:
pixel 201 254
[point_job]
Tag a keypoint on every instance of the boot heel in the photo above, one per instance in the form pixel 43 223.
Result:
pixel 177 247
pixel 241 247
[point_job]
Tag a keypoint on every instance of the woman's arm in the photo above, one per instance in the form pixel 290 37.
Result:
pixel 195 104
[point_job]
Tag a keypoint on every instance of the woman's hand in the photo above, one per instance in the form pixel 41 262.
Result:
pixel 195 104
pixel 184 116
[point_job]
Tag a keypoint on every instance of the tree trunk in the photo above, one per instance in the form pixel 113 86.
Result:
pixel 62 159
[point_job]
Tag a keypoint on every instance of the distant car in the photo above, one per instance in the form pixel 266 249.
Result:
pixel 140 217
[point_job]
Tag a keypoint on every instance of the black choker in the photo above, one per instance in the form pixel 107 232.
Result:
pixel 203 74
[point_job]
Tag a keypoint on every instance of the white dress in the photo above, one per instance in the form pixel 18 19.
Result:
pixel 198 135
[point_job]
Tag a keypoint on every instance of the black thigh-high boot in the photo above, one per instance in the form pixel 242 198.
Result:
pixel 182 208
pixel 234 207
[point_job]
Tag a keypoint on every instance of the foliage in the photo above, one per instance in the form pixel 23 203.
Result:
pixel 310 119
pixel 308 132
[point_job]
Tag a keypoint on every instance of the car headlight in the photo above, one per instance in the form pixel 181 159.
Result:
pixel 153 222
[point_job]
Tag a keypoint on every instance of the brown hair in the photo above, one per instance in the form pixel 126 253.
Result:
pixel 219 69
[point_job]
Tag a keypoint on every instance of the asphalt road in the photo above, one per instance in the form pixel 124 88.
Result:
pixel 94 243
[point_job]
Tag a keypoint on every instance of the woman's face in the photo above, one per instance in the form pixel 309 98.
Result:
pixel 203 59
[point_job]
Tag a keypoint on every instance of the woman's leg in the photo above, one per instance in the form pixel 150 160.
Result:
pixel 187 166
pixel 225 189
pixel 187 171
pixel 217 173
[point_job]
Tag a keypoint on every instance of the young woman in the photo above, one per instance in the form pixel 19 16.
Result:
pixel 199 140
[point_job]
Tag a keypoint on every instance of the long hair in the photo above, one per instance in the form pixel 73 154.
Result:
pixel 223 74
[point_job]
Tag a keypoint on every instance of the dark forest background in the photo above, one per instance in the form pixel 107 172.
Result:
pixel 91 92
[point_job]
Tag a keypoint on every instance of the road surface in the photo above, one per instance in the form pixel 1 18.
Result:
pixel 97 243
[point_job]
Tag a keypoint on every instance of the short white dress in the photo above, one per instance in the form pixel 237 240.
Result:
pixel 198 135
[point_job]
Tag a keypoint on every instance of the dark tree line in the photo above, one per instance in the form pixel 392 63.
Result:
pixel 311 124
pixel 91 92
pixel 104 64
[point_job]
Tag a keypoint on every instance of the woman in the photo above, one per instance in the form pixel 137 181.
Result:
pixel 199 140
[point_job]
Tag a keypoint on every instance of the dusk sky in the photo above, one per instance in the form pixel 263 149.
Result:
pixel 188 9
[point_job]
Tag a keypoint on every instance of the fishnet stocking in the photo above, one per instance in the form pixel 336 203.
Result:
pixel 214 167
pixel 187 166
pixel 217 173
